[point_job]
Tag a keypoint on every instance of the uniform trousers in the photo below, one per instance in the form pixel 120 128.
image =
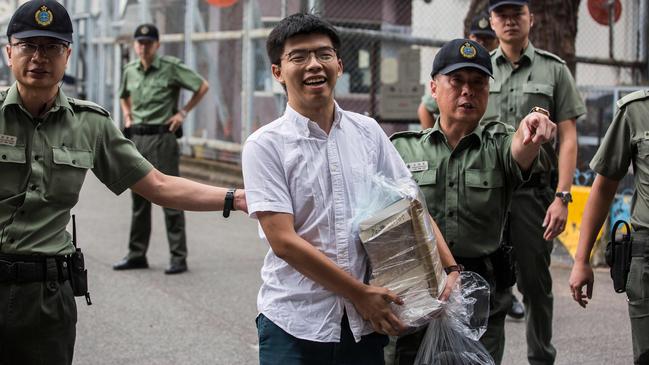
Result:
pixel 37 323
pixel 162 151
pixel 534 281
pixel 637 291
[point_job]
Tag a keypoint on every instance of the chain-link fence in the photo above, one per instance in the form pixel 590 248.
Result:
pixel 387 52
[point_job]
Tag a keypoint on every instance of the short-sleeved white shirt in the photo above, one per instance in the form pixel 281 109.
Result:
pixel 292 166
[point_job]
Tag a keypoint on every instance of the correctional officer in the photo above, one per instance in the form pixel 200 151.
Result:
pixel 626 143
pixel 527 77
pixel 149 98
pixel 467 172
pixel 48 142
pixel 481 32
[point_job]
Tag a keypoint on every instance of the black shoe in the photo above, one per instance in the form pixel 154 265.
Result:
pixel 517 310
pixel 176 268
pixel 128 264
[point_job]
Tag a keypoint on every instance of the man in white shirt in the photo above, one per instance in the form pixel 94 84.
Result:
pixel 303 173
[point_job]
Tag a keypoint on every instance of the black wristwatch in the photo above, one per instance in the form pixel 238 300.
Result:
pixel 565 196
pixel 450 269
pixel 228 206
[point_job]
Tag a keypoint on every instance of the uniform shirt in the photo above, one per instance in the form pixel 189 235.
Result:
pixel 44 162
pixel 467 189
pixel 627 143
pixel 541 79
pixel 292 166
pixel 154 93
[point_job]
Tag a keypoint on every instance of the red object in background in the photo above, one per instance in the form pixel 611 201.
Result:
pixel 598 9
pixel 221 3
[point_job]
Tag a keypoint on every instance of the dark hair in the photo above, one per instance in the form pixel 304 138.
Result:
pixel 297 24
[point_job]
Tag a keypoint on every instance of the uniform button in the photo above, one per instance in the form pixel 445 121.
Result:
pixel 37 157
pixel 451 184
pixel 512 89
pixel 4 157
pixel 33 187
pixel 485 183
pixel 12 240
pixel 74 162
pixel 511 109
pixel 52 285
pixel 450 214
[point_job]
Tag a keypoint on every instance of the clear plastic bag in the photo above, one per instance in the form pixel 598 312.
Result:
pixel 395 229
pixel 453 337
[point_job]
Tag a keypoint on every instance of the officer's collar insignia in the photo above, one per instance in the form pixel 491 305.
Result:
pixel 43 16
pixel 483 23
pixel 468 50
pixel 144 30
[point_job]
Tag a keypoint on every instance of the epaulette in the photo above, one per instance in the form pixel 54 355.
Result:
pixel 636 95
pixel 494 127
pixel 79 105
pixel 405 134
pixel 171 59
pixel 549 55
pixel 132 63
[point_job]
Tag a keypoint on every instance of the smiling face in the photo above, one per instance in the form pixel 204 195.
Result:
pixel 512 23
pixel 37 71
pixel 309 82
pixel 461 95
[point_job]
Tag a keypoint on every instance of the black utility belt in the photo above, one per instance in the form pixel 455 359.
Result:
pixel 542 179
pixel 33 268
pixel 150 129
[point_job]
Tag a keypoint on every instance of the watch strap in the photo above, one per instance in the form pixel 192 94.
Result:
pixel 450 269
pixel 228 205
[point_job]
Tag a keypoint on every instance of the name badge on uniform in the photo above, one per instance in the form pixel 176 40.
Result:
pixel 646 134
pixel 8 140
pixel 417 166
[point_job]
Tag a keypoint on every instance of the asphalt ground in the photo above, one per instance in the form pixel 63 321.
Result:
pixel 206 316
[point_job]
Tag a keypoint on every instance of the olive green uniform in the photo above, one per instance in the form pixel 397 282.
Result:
pixel 540 79
pixel 627 142
pixel 467 191
pixel 44 161
pixel 154 99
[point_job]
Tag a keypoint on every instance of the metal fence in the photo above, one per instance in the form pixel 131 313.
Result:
pixel 388 47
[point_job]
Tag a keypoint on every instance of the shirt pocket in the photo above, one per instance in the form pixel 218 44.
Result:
pixel 642 159
pixel 537 95
pixel 12 165
pixel 483 193
pixel 423 178
pixel 69 167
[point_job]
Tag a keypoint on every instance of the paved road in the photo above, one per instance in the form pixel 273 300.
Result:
pixel 206 316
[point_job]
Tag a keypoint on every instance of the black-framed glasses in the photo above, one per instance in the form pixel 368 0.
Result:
pixel 49 50
pixel 302 56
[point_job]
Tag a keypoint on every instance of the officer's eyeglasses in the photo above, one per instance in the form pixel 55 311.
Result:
pixel 302 56
pixel 49 50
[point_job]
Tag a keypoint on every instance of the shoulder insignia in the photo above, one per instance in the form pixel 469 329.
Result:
pixel 84 105
pixel 407 134
pixel 494 127
pixel 171 59
pixel 549 55
pixel 636 95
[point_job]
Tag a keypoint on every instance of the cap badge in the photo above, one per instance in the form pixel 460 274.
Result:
pixel 144 30
pixel 483 23
pixel 468 50
pixel 43 16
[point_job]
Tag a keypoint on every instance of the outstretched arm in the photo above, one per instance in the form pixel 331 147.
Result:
pixel 595 213
pixel 534 130
pixel 373 303
pixel 183 194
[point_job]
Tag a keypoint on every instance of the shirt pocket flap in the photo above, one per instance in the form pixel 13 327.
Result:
pixel 494 87
pixel 537 89
pixel 14 154
pixel 428 177
pixel 74 158
pixel 483 178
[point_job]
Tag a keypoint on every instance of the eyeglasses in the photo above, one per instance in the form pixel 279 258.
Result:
pixel 50 50
pixel 302 56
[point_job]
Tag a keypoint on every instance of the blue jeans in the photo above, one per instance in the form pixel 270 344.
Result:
pixel 276 347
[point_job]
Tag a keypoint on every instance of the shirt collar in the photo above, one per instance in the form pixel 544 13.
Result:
pixel 13 98
pixel 528 54
pixel 155 64
pixel 475 134
pixel 306 127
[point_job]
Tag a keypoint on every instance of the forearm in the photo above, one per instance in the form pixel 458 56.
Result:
pixel 196 97
pixel 445 255
pixel 567 154
pixel 125 104
pixel 426 118
pixel 523 154
pixel 183 194
pixel 595 212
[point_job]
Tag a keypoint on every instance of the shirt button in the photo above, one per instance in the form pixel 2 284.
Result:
pixel 33 187
pixel 37 157
pixel 485 183
pixel 4 157
pixel 74 162
pixel 512 89
pixel 12 240
pixel 450 214
pixel 451 184
pixel 511 109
